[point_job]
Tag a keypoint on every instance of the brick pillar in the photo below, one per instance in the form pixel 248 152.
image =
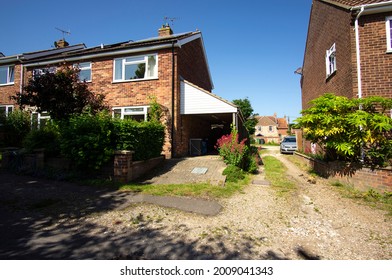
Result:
pixel 122 166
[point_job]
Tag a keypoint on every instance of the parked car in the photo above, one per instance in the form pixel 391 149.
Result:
pixel 288 145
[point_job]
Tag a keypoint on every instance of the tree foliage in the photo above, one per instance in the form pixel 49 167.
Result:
pixel 247 111
pixel 61 94
pixel 355 130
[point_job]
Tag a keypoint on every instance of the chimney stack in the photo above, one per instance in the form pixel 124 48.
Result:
pixel 165 31
pixel 61 44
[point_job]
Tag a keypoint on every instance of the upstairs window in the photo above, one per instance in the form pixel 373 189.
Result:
pixel 388 23
pixel 41 71
pixel 135 68
pixel 330 60
pixel 85 71
pixel 7 74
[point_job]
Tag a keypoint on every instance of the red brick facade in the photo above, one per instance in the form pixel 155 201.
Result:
pixel 188 61
pixel 376 63
pixel 328 25
pixel 331 24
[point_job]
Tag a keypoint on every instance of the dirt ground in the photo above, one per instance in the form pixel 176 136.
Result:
pixel 314 222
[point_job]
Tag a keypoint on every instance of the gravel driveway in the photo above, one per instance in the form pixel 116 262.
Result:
pixel 314 222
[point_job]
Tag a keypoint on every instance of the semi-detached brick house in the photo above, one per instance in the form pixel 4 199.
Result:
pixel 171 67
pixel 348 50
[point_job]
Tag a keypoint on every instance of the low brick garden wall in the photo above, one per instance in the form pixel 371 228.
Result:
pixel 121 169
pixel 361 178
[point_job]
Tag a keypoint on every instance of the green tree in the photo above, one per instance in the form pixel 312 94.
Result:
pixel 61 94
pixel 247 111
pixel 355 130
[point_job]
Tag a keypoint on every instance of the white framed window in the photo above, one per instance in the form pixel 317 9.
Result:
pixel 41 71
pixel 138 113
pixel 270 128
pixel 7 75
pixel 6 109
pixel 330 60
pixel 135 68
pixel 388 24
pixel 85 71
pixel 39 120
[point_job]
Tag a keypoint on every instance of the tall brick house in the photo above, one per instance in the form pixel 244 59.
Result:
pixel 348 50
pixel 171 67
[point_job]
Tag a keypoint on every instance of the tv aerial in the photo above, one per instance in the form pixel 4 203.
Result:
pixel 64 32
pixel 167 19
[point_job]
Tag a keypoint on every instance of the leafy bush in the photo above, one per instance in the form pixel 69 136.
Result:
pixel 16 127
pixel 88 140
pixel 145 138
pixel 47 138
pixel 353 130
pixel 238 153
pixel 233 173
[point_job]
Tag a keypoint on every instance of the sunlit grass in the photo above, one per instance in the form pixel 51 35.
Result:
pixel 202 190
pixel 275 173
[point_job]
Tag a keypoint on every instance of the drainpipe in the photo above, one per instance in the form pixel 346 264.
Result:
pixel 359 78
pixel 173 111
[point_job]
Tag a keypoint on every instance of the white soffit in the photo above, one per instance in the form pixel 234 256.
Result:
pixel 195 100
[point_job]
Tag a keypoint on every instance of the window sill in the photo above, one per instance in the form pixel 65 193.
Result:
pixel 330 76
pixel 135 80
pixel 10 84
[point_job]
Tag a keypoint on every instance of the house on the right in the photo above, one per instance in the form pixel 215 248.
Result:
pixel 348 50
pixel 349 53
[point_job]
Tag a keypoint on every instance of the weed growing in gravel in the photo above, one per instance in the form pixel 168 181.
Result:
pixel 275 172
pixel 370 197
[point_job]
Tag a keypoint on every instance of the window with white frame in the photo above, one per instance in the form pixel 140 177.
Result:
pixel 41 71
pixel 330 60
pixel 39 120
pixel 138 113
pixel 5 110
pixel 7 74
pixel 388 23
pixel 85 71
pixel 135 68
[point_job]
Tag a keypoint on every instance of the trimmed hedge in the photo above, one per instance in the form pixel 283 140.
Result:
pixel 145 138
pixel 89 141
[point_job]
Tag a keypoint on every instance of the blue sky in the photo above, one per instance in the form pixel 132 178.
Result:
pixel 253 46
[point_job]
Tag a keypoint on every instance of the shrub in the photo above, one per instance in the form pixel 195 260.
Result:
pixel 16 127
pixel 87 140
pixel 233 173
pixel 145 138
pixel 232 151
pixel 47 137
pixel 238 153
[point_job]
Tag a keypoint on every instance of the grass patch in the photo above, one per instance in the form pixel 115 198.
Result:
pixel 202 190
pixel 275 172
pixel 371 197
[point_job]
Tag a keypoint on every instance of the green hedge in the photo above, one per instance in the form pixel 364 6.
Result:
pixel 145 138
pixel 89 141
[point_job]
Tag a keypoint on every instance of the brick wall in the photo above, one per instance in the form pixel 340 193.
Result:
pixel 360 178
pixel 6 91
pixel 328 25
pixel 376 63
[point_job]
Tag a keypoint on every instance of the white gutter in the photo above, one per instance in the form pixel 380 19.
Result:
pixel 375 8
pixel 359 76
pixel 90 56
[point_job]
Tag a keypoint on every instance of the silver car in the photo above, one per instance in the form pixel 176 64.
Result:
pixel 288 145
